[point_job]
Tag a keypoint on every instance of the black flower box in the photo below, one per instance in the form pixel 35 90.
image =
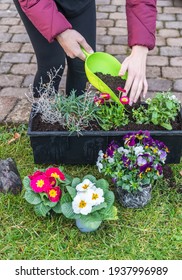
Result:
pixel 59 147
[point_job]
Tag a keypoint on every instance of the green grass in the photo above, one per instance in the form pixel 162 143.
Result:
pixel 152 232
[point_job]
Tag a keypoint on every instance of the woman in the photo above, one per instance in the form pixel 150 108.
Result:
pixel 57 29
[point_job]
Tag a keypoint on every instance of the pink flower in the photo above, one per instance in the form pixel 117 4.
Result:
pixel 105 96
pixel 121 89
pixel 52 181
pixel 54 194
pixel 40 183
pixel 124 100
pixel 55 172
pixel 98 101
pixel 35 174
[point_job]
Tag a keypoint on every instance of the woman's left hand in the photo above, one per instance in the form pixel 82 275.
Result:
pixel 135 64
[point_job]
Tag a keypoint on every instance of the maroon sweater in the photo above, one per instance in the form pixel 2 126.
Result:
pixel 141 20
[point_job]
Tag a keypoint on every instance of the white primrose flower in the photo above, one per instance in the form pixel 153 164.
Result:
pixel 82 204
pixel 138 150
pixel 96 196
pixel 85 185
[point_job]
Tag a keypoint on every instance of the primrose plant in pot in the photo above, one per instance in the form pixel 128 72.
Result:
pixel 43 190
pixel 72 129
pixel 134 167
pixel 89 202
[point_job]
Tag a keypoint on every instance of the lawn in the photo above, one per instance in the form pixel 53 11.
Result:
pixel 153 232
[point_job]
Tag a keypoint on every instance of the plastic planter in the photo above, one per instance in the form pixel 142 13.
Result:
pixel 59 147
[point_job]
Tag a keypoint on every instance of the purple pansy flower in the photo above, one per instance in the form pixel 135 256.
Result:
pixel 145 168
pixel 159 169
pixel 111 148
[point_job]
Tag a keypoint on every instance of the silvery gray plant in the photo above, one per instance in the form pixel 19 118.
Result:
pixel 74 113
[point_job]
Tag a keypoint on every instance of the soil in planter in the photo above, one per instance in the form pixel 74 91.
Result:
pixel 111 81
pixel 38 125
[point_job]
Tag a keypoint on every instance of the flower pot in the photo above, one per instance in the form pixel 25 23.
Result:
pixel 134 200
pixel 59 147
pixel 87 226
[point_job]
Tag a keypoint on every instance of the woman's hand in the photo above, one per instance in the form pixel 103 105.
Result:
pixel 135 64
pixel 71 41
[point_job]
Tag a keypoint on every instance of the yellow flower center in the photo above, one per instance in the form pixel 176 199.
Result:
pixel 139 137
pixel 40 183
pixel 52 193
pixel 85 186
pixel 147 169
pixel 82 204
pixel 94 196
pixel 55 175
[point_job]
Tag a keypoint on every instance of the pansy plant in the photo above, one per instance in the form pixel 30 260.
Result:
pixel 137 163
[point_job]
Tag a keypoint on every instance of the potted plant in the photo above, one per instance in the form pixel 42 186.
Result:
pixel 89 202
pixel 71 130
pixel 134 167
pixel 43 189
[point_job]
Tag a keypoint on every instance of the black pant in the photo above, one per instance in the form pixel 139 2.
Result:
pixel 51 55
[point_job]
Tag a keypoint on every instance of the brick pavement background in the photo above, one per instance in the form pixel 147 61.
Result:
pixel 18 62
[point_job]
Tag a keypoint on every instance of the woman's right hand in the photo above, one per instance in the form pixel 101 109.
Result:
pixel 71 41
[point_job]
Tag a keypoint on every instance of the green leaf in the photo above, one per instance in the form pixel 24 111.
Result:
pixel 57 208
pixel 109 198
pixel 72 191
pixel 166 125
pixel 103 184
pixel 111 214
pixel 49 203
pixel 90 177
pixel 26 183
pixel 169 104
pixel 67 211
pixel 92 217
pixel 41 209
pixel 32 198
pixel 75 182
pixel 98 207
pixel 66 198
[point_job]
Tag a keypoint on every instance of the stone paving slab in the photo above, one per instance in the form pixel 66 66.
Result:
pixel 7 104
pixel 20 113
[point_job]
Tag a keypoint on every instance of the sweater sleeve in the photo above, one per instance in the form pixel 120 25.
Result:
pixel 141 22
pixel 45 17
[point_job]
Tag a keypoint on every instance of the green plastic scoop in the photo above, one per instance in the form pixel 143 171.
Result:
pixel 106 64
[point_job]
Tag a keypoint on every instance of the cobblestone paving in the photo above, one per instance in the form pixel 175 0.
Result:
pixel 18 62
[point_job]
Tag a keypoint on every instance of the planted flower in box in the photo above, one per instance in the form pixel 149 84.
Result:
pixel 134 167
pixel 43 189
pixel 89 202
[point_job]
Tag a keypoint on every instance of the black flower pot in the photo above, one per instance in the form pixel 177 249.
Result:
pixel 59 147
pixel 136 199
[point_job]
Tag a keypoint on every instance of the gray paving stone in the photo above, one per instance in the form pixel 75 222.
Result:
pixel 24 69
pixel 6 105
pixel 16 57
pixel 14 91
pixel 159 84
pixel 5 67
pixel 178 85
pixel 10 80
pixel 172 72
pixel 21 113
pixel 10 47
